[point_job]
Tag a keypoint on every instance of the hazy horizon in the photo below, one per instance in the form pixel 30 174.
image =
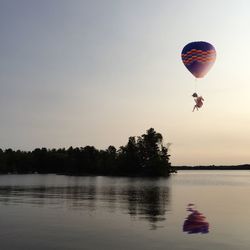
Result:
pixel 77 73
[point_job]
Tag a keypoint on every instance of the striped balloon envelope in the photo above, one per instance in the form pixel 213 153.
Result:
pixel 198 57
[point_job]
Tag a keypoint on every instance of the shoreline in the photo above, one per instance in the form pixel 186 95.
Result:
pixel 214 167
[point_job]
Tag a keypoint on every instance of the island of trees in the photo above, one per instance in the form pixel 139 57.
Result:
pixel 144 155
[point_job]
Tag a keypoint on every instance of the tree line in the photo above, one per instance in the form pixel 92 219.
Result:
pixel 144 155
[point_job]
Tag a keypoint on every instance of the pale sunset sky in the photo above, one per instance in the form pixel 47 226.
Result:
pixel 77 73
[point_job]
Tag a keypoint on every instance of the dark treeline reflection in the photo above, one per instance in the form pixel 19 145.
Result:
pixel 142 156
pixel 143 199
pixel 149 203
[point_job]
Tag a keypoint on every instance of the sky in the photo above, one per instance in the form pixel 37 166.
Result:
pixel 77 73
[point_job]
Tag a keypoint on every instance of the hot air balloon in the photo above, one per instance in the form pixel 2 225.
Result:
pixel 198 57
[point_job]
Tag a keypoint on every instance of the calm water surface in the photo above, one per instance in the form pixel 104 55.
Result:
pixel 189 210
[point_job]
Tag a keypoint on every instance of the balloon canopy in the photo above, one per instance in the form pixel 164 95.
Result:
pixel 198 57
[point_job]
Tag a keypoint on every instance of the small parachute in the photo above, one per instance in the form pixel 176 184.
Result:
pixel 198 57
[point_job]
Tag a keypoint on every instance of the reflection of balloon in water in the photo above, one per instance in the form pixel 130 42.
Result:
pixel 195 222
pixel 198 57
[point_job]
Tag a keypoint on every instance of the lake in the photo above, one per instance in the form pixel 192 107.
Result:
pixel 189 210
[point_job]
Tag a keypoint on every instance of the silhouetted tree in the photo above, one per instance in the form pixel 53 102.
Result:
pixel 141 156
pixel 145 155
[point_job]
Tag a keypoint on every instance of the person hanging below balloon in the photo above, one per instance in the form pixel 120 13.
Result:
pixel 198 101
pixel 198 58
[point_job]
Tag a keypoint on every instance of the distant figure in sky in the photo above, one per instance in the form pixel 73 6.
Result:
pixel 198 101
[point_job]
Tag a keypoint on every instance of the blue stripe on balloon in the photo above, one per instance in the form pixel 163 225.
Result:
pixel 204 46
